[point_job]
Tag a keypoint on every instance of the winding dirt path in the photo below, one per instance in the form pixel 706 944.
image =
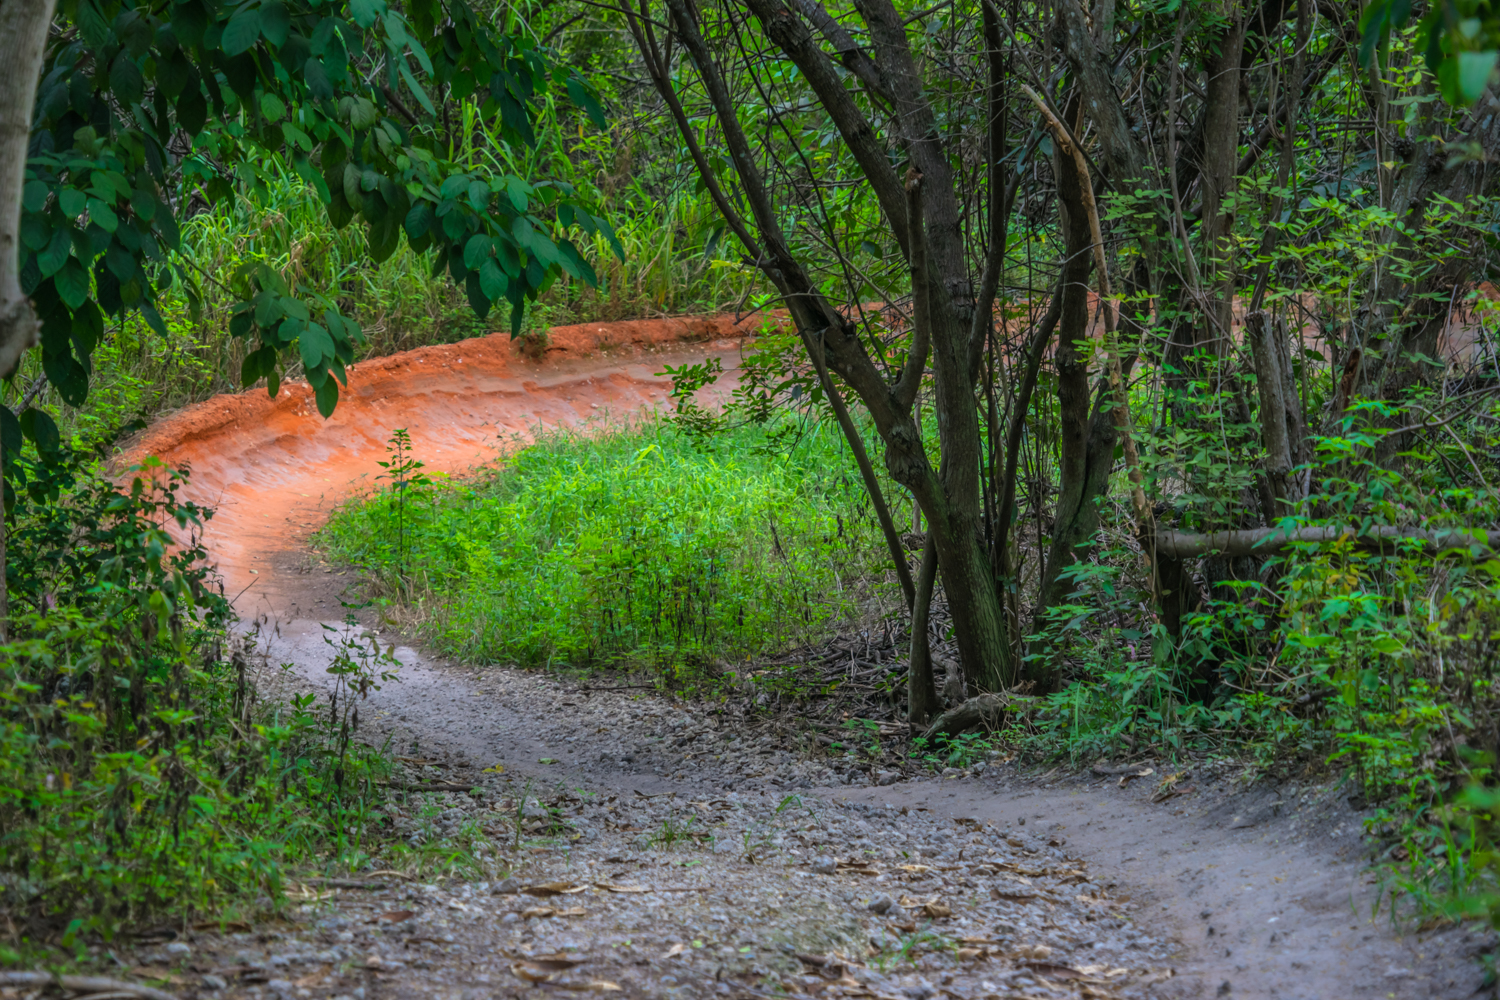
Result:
pixel 1244 892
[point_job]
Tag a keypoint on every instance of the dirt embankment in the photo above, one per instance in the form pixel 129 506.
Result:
pixel 273 468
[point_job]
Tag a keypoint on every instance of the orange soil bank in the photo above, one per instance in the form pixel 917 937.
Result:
pixel 274 468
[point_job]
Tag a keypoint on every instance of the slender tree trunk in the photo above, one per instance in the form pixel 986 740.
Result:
pixel 921 689
pixel 1086 430
pixel 23 32
pixel 867 475
pixel 1220 161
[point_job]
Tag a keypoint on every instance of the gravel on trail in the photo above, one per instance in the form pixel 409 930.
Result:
pixel 671 895
pixel 669 849
pixel 663 852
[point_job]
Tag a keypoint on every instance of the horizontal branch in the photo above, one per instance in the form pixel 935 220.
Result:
pixel 1262 541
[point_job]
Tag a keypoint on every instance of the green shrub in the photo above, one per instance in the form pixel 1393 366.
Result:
pixel 137 772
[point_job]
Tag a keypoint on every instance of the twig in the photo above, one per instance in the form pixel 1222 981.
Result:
pixel 83 984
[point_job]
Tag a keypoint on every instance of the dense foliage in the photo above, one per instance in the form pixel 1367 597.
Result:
pixel 138 770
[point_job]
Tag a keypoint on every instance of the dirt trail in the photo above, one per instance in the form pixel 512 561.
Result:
pixel 1241 892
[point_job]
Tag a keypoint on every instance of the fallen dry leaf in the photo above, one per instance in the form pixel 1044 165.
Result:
pixel 532 973
pixel 1051 971
pixel 936 910
pixel 608 887
pixel 1102 970
pixel 1144 772
pixel 968 954
pixel 555 963
pixel 1033 952
pixel 675 950
pixel 553 889
pixel 915 868
pixel 543 912
pixel 393 916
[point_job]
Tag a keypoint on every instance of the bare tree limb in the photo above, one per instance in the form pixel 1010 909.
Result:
pixel 1264 541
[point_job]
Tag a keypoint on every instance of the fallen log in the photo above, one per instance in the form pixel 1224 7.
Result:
pixel 1263 541
pixel 984 710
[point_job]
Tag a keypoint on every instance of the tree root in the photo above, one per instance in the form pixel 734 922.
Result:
pixel 86 985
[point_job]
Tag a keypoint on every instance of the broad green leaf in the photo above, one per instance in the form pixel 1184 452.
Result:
pixel 242 31
pixel 419 220
pixel 327 396
pixel 51 258
pixel 72 201
pixel 363 114
pixel 34 197
pixel 315 345
pixel 479 195
pixel 40 429
pixel 518 191
pixel 1474 69
pixel 478 250
pixel 72 283
pixel 492 280
pixel 365 13
pixel 478 301
pixel 585 99
pixel 275 22
pixel 316 78
pixel 125 79
pixel 272 107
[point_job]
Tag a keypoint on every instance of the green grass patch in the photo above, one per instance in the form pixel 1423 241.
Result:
pixel 641 546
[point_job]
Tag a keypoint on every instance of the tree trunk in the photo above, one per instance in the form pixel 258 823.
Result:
pixel 921 697
pixel 1086 430
pixel 1220 161
pixel 952 500
pixel 23 29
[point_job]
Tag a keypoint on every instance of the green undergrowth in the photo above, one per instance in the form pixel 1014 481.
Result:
pixel 140 774
pixel 1375 669
pixel 642 547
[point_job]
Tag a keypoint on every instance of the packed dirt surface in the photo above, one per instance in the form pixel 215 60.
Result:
pixel 651 848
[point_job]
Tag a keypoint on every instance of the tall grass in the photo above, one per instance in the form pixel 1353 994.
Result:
pixel 637 546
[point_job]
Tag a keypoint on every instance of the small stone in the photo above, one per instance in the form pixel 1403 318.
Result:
pixel 887 777
pixel 824 865
pixel 880 904
pixel 213 982
pixel 281 987
pixel 508 887
pixel 178 949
